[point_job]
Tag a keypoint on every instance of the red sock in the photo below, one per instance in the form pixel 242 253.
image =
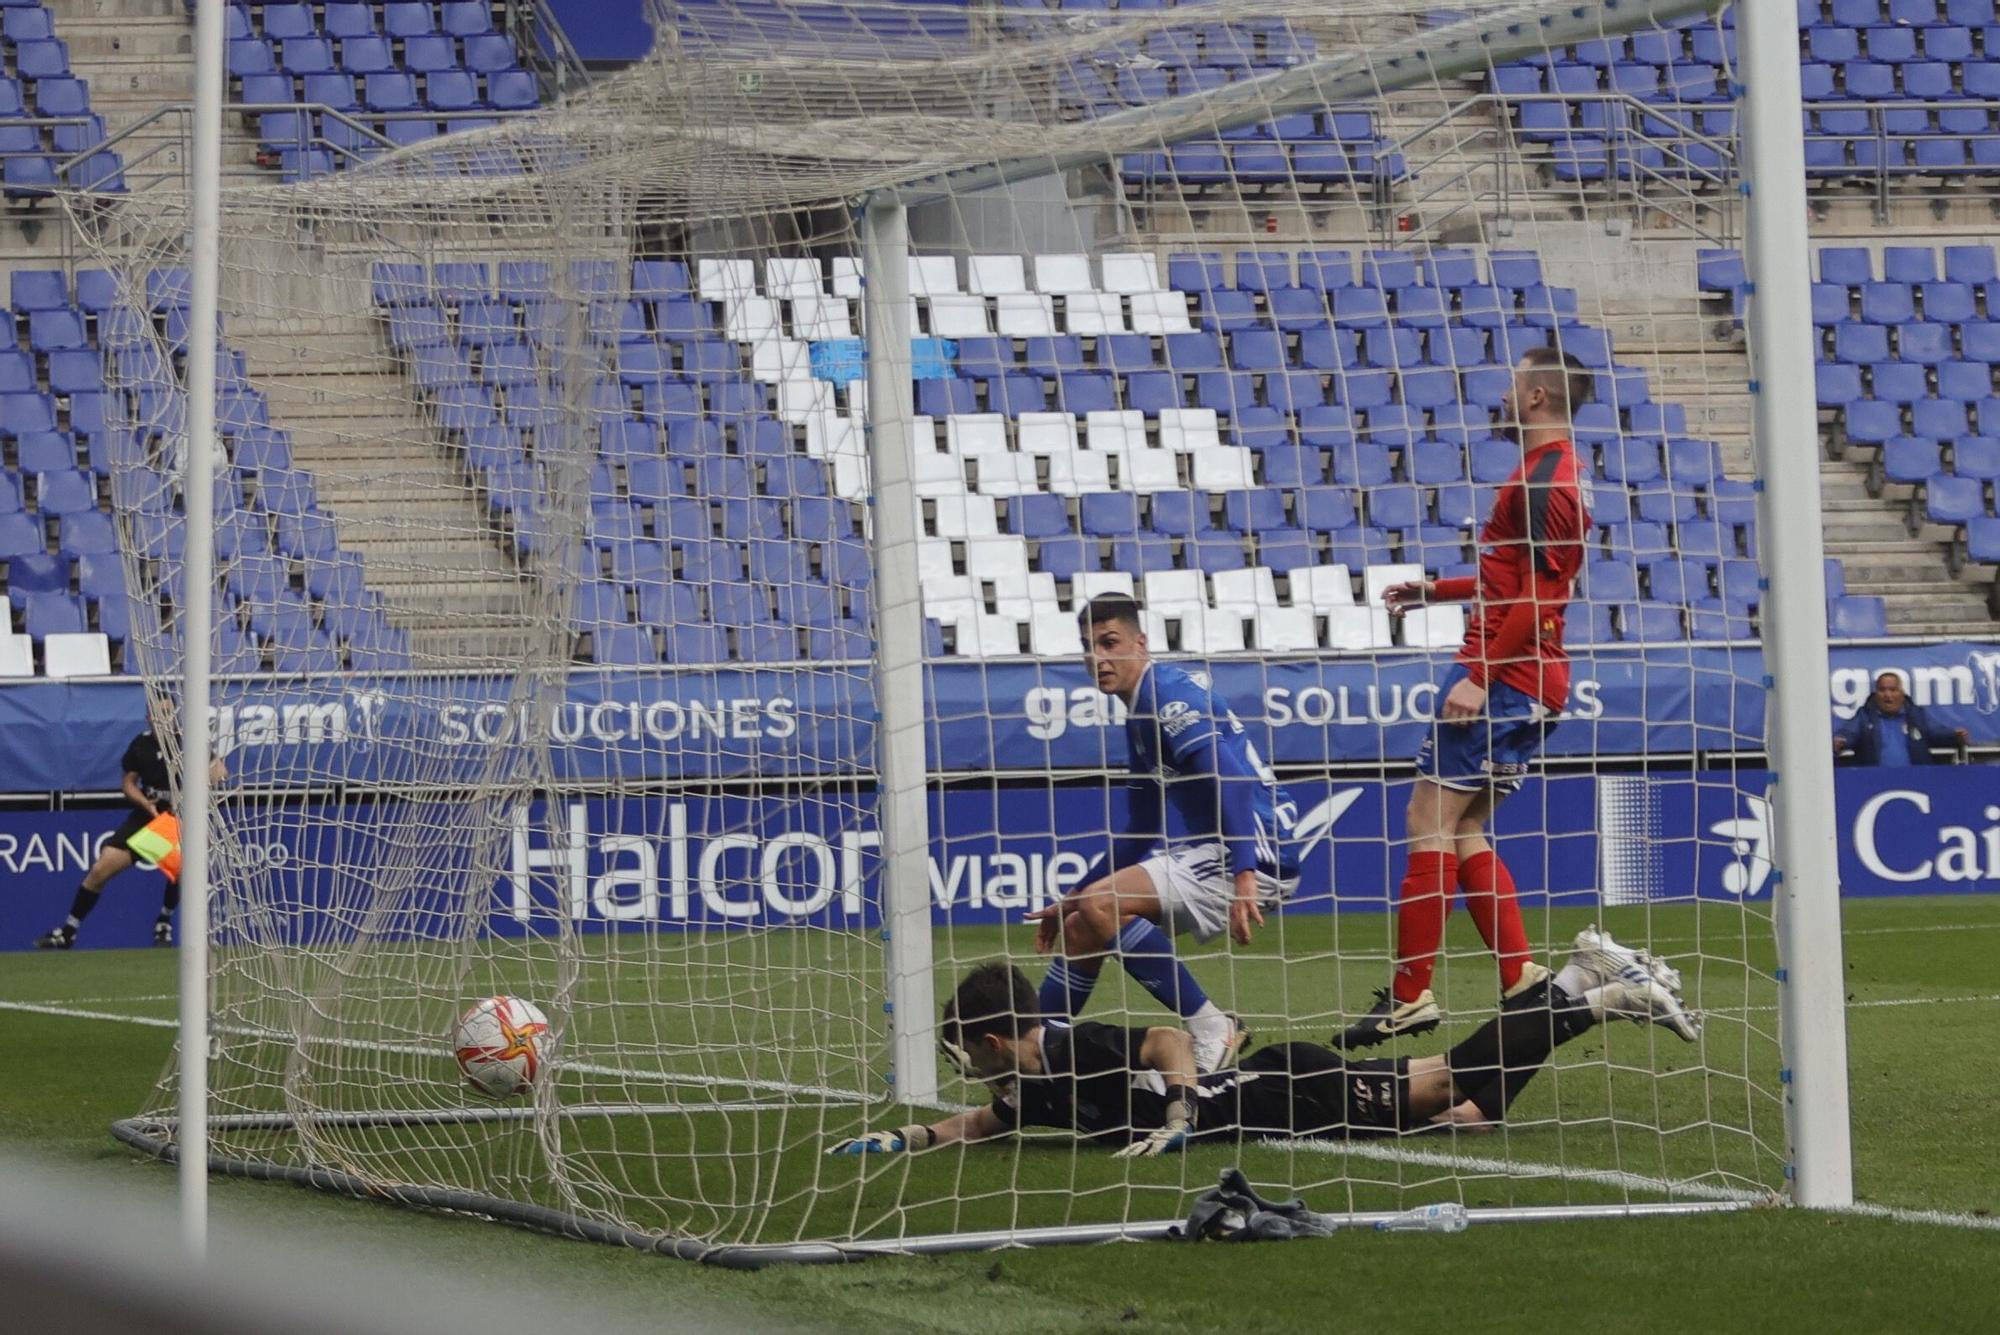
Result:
pixel 1489 898
pixel 1422 905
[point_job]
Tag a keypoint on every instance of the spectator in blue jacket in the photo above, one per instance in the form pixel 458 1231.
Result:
pixel 1890 731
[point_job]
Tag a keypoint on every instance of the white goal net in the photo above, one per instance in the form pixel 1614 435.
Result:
pixel 571 602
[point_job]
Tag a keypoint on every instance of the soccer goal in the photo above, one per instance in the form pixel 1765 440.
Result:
pixel 649 535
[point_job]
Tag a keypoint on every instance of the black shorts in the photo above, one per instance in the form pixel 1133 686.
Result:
pixel 122 836
pixel 1303 1089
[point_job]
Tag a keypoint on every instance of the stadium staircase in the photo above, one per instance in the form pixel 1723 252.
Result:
pixel 408 512
pixel 137 56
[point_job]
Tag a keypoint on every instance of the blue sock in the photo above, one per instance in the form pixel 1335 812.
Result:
pixel 1148 955
pixel 1065 989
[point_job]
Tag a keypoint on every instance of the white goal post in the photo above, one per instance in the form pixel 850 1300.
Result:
pixel 648 537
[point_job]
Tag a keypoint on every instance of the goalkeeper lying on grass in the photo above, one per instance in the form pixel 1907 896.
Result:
pixel 1137 1088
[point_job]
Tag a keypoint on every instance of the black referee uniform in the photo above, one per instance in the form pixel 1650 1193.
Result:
pixel 144 761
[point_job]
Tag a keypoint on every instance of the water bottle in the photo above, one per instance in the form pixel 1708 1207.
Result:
pixel 1444 1217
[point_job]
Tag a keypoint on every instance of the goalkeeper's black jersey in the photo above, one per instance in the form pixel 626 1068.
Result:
pixel 1093 1084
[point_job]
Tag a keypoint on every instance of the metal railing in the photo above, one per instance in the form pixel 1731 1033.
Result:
pixel 1493 175
pixel 545 48
pixel 157 146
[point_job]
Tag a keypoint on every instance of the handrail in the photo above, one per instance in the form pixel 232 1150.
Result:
pixel 1507 148
pixel 540 39
pixel 177 117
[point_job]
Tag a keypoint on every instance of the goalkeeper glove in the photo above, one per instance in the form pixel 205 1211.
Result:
pixel 912 1137
pixel 1173 1132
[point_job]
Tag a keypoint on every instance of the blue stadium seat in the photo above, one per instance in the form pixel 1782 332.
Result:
pixel 1954 500
pixel 1718 619
pixel 1856 617
pixel 1976 457
pixel 20 537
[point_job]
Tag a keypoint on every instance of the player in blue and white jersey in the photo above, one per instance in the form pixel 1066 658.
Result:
pixel 1237 856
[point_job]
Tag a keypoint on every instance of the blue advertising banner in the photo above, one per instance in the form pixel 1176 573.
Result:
pixel 809 857
pixel 807 722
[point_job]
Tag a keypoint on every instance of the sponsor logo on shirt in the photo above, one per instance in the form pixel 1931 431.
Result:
pixel 1176 716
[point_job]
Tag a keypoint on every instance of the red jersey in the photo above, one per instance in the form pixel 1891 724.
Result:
pixel 1529 554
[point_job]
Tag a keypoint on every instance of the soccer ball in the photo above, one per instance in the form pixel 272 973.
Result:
pixel 499 1045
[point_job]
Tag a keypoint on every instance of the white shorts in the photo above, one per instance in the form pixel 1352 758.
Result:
pixel 1196 890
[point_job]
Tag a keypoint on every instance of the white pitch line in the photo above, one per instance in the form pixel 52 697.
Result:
pixel 1615 1178
pixel 426 1050
pixel 1851 931
pixel 1473 1163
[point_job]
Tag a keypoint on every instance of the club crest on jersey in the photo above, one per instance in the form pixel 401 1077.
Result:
pixel 1176 716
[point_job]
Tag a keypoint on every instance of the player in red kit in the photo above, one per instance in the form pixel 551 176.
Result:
pixel 1498 702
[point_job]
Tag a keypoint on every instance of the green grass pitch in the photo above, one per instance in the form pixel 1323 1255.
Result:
pixel 1922 1029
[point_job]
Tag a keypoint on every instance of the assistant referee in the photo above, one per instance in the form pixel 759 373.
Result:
pixel 147 789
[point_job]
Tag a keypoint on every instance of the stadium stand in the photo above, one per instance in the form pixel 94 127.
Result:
pixel 329 85
pixel 291 599
pixel 1246 441
pixel 1892 87
pixel 46 121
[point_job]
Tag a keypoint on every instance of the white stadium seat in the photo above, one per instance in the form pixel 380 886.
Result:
pixel 1439 627
pixel 1059 275
pixel 936 473
pixel 1222 468
pixel 1185 430
pixel 1148 471
pixel 1207 630
pixel 933 275
pixel 1017 586
pixel 1377 578
pixel 847 276
pixel 1155 628
pixel 850 478
pixel 817 318
pixel 1093 313
pixel 751 319
pixel 960 317
pixel 1000 557
pixel 945 596
pixel 996 275
pixel 1115 432
pixel 965 516
pixel 1285 630
pixel 1053 633
pixel 827 430
pixel 776 359
pixel 1047 433
pixel 1322 588
pixel 1175 588
pixel 84 655
pixel 802 400
pixel 1088 584
pixel 975 435
pixel 987 635
pixel 934 563
pixel 1074 474
pixel 791 277
pixel 1160 313
pixel 1358 629
pixel 1245 590
pixel 1007 475
pixel 17 656
pixel 725 280
pixel 1131 272
pixel 1024 315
